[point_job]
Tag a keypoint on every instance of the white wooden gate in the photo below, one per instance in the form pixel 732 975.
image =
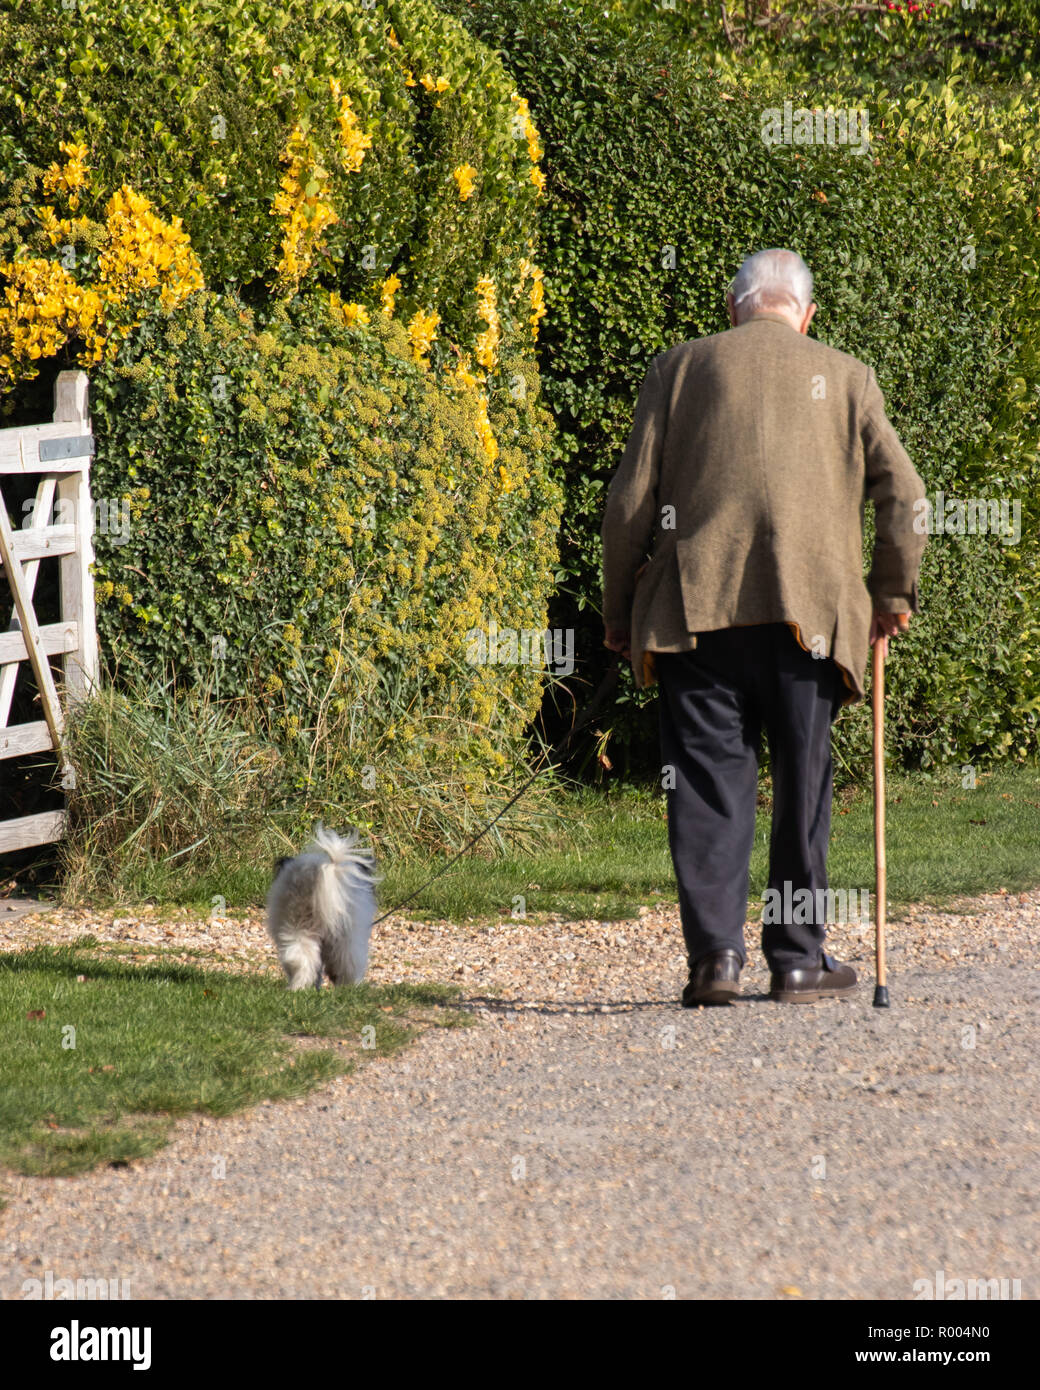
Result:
pixel 60 454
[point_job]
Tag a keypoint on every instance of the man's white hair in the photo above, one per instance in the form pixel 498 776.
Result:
pixel 772 279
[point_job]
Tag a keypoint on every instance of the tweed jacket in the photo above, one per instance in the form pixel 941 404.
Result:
pixel 740 500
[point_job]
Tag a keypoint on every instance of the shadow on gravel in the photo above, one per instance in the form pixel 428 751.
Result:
pixel 489 1004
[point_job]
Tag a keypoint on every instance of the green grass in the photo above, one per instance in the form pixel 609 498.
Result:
pixel 613 855
pixel 156 1041
pixel 943 841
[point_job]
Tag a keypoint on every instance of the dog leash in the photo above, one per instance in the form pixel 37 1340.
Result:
pixel 591 711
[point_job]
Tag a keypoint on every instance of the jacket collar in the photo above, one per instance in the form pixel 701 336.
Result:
pixel 768 314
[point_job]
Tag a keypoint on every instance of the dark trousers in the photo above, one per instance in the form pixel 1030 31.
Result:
pixel 714 703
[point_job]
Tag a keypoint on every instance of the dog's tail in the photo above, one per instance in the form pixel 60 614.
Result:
pixel 349 861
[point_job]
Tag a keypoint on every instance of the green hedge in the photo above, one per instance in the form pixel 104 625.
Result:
pixel 649 148
pixel 302 500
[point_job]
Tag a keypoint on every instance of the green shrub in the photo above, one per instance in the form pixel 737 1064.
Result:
pixel 306 478
pixel 997 40
pixel 648 148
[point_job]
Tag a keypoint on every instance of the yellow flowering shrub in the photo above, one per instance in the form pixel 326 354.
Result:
pixel 353 140
pixel 67 178
pixel 489 338
pixel 348 314
pixel 484 430
pixel 392 163
pixel 145 253
pixel 527 128
pixel 388 294
pixel 377 519
pixel 43 307
pixel 422 329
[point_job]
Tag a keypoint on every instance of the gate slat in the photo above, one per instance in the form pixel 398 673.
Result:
pixel 27 831
pixel 55 638
pixel 41 511
pixel 20 739
pixel 45 543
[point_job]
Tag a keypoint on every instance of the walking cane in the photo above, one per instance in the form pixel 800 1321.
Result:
pixel 878 700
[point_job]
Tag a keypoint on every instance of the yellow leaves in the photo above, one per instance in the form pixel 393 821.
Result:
pixel 526 126
pixel 66 178
pixel 538 309
pixel 50 223
pixel 43 308
pixel 353 140
pixel 463 375
pixel 464 176
pixel 528 269
pixel 529 129
pixel 144 252
pixel 484 430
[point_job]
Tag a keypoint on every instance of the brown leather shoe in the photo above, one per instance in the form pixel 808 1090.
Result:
pixel 828 980
pixel 715 979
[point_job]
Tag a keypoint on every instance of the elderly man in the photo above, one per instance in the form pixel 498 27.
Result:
pixel 744 480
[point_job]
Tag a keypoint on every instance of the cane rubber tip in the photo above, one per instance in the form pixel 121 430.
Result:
pixel 881 997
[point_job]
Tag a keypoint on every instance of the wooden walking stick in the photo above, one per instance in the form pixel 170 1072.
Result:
pixel 878 700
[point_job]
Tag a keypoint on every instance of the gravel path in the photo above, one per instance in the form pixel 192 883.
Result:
pixel 589 1138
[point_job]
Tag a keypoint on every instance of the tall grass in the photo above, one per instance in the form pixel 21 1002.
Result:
pixel 180 794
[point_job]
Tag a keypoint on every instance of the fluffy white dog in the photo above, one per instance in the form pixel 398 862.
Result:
pixel 320 910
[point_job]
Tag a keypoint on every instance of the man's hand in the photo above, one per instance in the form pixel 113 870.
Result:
pixel 886 625
pixel 618 640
